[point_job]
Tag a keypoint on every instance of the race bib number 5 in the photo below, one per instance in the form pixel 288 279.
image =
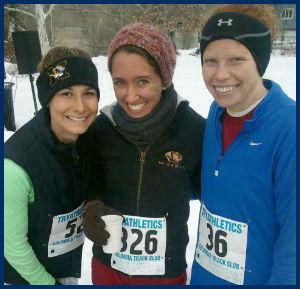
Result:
pixel 221 247
pixel 144 246
pixel 66 233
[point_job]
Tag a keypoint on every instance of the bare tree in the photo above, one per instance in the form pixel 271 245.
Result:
pixel 169 17
pixel 92 26
pixel 40 13
pixel 15 22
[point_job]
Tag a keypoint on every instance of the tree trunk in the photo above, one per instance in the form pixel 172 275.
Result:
pixel 11 28
pixel 41 27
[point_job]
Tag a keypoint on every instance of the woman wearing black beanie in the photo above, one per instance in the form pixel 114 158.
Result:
pixel 43 200
pixel 247 226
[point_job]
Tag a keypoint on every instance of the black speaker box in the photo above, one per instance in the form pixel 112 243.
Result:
pixel 27 50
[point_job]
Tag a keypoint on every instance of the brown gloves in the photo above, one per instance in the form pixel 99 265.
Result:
pixel 93 225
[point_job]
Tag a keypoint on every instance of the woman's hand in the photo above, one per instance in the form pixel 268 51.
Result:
pixel 93 225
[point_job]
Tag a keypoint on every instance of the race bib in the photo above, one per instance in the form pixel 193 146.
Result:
pixel 144 246
pixel 221 247
pixel 66 233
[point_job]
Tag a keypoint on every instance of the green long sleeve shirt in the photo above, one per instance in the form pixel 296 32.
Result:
pixel 18 194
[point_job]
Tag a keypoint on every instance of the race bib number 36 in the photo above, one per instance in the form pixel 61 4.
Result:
pixel 222 245
pixel 144 246
pixel 66 233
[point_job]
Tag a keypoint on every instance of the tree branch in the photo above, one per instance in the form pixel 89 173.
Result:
pixel 87 11
pixel 183 12
pixel 141 7
pixel 20 11
pixel 50 10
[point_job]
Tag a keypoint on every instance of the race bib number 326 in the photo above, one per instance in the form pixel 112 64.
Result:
pixel 222 245
pixel 66 233
pixel 144 246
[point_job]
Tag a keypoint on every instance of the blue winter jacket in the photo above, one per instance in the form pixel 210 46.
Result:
pixel 248 208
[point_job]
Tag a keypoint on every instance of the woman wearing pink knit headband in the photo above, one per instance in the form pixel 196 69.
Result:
pixel 142 160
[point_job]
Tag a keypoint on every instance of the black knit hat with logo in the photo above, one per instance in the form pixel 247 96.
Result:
pixel 242 28
pixel 64 73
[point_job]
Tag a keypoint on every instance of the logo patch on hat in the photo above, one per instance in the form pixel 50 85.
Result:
pixel 228 22
pixel 59 72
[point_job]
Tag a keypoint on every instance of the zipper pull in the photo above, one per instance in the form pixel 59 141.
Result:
pixel 218 162
pixel 142 158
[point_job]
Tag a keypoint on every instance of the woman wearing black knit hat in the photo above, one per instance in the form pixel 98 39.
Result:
pixel 144 161
pixel 43 200
pixel 247 226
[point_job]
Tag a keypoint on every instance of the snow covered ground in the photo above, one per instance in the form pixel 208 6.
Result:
pixel 189 84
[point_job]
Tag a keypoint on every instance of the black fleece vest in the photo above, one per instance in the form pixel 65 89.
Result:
pixel 56 178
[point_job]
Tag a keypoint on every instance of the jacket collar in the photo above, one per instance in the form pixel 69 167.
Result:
pixel 65 153
pixel 266 107
pixel 107 110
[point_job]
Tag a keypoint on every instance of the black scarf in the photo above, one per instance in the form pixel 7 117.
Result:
pixel 142 131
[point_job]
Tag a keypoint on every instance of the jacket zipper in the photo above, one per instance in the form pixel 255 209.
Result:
pixel 142 157
pixel 240 135
pixel 142 161
pixel 217 166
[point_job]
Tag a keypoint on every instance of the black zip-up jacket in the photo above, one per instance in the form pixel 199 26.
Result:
pixel 54 171
pixel 155 183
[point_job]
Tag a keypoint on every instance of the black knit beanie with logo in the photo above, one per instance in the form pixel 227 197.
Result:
pixel 242 28
pixel 64 73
